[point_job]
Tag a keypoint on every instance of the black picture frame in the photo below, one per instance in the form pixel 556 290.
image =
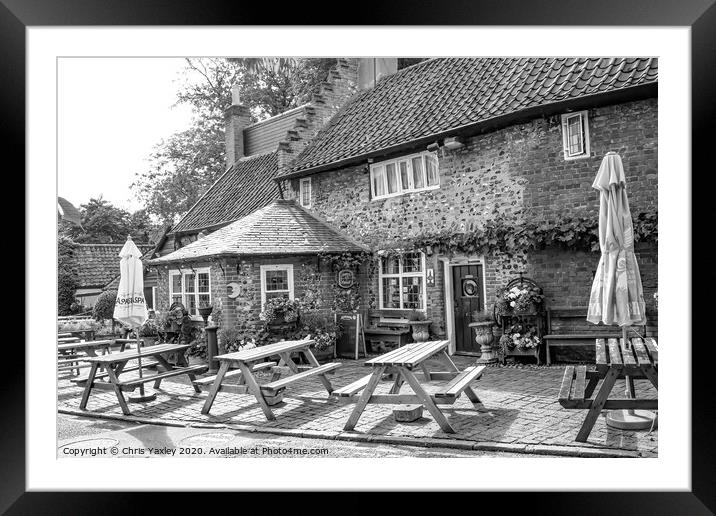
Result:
pixel 17 15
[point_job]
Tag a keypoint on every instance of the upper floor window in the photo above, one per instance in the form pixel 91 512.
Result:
pixel 305 192
pixel 406 174
pixel 190 288
pixel 402 282
pixel 575 135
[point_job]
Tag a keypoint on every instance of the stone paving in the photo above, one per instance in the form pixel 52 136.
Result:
pixel 523 412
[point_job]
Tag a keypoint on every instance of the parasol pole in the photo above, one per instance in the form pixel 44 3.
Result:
pixel 139 360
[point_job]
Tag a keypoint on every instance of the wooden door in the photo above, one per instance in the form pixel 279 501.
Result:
pixel 467 298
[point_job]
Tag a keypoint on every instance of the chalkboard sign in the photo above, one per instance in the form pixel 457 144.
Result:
pixel 350 336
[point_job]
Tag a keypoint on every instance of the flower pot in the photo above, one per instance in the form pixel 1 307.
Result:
pixel 421 330
pixel 484 337
pixel 324 355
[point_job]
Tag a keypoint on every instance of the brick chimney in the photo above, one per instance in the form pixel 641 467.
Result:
pixel 237 117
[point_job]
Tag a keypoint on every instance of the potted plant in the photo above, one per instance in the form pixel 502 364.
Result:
pixel 148 332
pixel 519 299
pixel 419 325
pixel 482 323
pixel 280 312
pixel 520 338
pixel 324 346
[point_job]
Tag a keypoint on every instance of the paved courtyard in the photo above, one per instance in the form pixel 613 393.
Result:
pixel 523 413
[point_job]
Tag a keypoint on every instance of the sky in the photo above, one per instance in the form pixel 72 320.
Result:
pixel 111 113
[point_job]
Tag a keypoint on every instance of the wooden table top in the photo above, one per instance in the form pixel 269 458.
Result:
pixel 261 352
pixel 409 355
pixel 90 344
pixel 149 351
pixel 613 353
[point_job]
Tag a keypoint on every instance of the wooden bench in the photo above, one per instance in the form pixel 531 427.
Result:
pixel 380 328
pixel 457 385
pixel 236 373
pixel 130 385
pixel 568 326
pixel 350 389
pixel 279 385
pixel 80 380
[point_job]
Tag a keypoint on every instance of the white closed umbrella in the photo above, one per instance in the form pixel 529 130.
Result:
pixel 617 297
pixel 131 307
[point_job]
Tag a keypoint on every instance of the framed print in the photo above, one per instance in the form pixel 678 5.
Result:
pixel 239 156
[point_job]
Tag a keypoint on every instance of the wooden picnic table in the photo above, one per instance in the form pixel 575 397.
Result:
pixel 115 364
pixel 614 360
pixel 68 353
pixel 403 362
pixel 252 360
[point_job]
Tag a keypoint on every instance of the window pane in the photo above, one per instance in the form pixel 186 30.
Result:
pixel 203 282
pixel 431 163
pixel 403 165
pixel 305 193
pixel 176 299
pixel 391 265
pixel 271 295
pixel 190 303
pixel 574 135
pixel 412 262
pixel 418 173
pixel 378 184
pixel 392 178
pixel 413 293
pixel 189 283
pixel 176 283
pixel 276 280
pixel 204 299
pixel 391 293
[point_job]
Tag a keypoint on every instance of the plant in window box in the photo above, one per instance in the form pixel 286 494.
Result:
pixel 419 325
pixel 279 311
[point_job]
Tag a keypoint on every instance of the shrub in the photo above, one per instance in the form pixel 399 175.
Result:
pixel 104 307
pixel 279 307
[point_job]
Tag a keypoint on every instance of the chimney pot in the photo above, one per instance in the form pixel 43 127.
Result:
pixel 235 95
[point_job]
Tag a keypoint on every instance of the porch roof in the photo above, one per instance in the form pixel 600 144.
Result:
pixel 281 228
pixel 450 96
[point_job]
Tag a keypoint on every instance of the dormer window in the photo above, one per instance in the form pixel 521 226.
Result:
pixel 406 174
pixel 575 135
pixel 305 192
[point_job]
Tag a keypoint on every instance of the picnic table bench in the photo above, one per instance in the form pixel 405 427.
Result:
pixel 403 361
pixel 614 360
pixel 249 362
pixel 115 365
pixel 70 353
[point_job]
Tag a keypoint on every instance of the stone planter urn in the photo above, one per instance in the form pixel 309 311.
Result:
pixel 421 330
pixel 484 337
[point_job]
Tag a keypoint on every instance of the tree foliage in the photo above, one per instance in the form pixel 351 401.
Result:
pixel 183 166
pixel 104 307
pixel 67 278
pixel 103 223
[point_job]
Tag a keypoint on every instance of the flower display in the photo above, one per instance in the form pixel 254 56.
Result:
pixel 278 308
pixel 523 336
pixel 518 299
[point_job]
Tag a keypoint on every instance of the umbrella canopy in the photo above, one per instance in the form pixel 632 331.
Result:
pixel 617 297
pixel 130 307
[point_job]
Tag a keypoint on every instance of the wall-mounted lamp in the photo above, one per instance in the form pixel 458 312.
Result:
pixel 433 147
pixel 453 142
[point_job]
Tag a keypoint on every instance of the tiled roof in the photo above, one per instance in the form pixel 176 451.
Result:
pixel 243 188
pixel 281 228
pixel 444 94
pixel 265 136
pixel 97 264
pixel 114 283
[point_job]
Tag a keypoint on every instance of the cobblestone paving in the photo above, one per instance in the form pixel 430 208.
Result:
pixel 521 402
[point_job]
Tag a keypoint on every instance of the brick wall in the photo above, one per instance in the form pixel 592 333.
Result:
pixel 518 169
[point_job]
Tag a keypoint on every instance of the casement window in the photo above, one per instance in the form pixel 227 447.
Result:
pixel 575 135
pixel 406 174
pixel 402 282
pixel 190 288
pixel 276 281
pixel 304 193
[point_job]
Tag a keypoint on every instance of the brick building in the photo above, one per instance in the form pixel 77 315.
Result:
pixel 441 148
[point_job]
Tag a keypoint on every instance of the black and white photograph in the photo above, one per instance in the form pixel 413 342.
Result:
pixel 358 257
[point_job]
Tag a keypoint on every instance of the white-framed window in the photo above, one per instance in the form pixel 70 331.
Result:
pixel 412 173
pixel 276 281
pixel 190 288
pixel 575 135
pixel 401 282
pixel 304 194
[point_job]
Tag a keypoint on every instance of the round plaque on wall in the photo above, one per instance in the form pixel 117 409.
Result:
pixel 345 278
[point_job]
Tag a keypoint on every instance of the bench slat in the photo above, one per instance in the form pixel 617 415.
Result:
pixel 580 383
pixel 566 384
pixel 283 382
pixel 209 380
pixel 641 354
pixel 99 376
pixel 460 382
pixel 352 388
pixel 575 336
pixel 653 348
pixel 601 352
pixel 614 355
pixel 136 382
